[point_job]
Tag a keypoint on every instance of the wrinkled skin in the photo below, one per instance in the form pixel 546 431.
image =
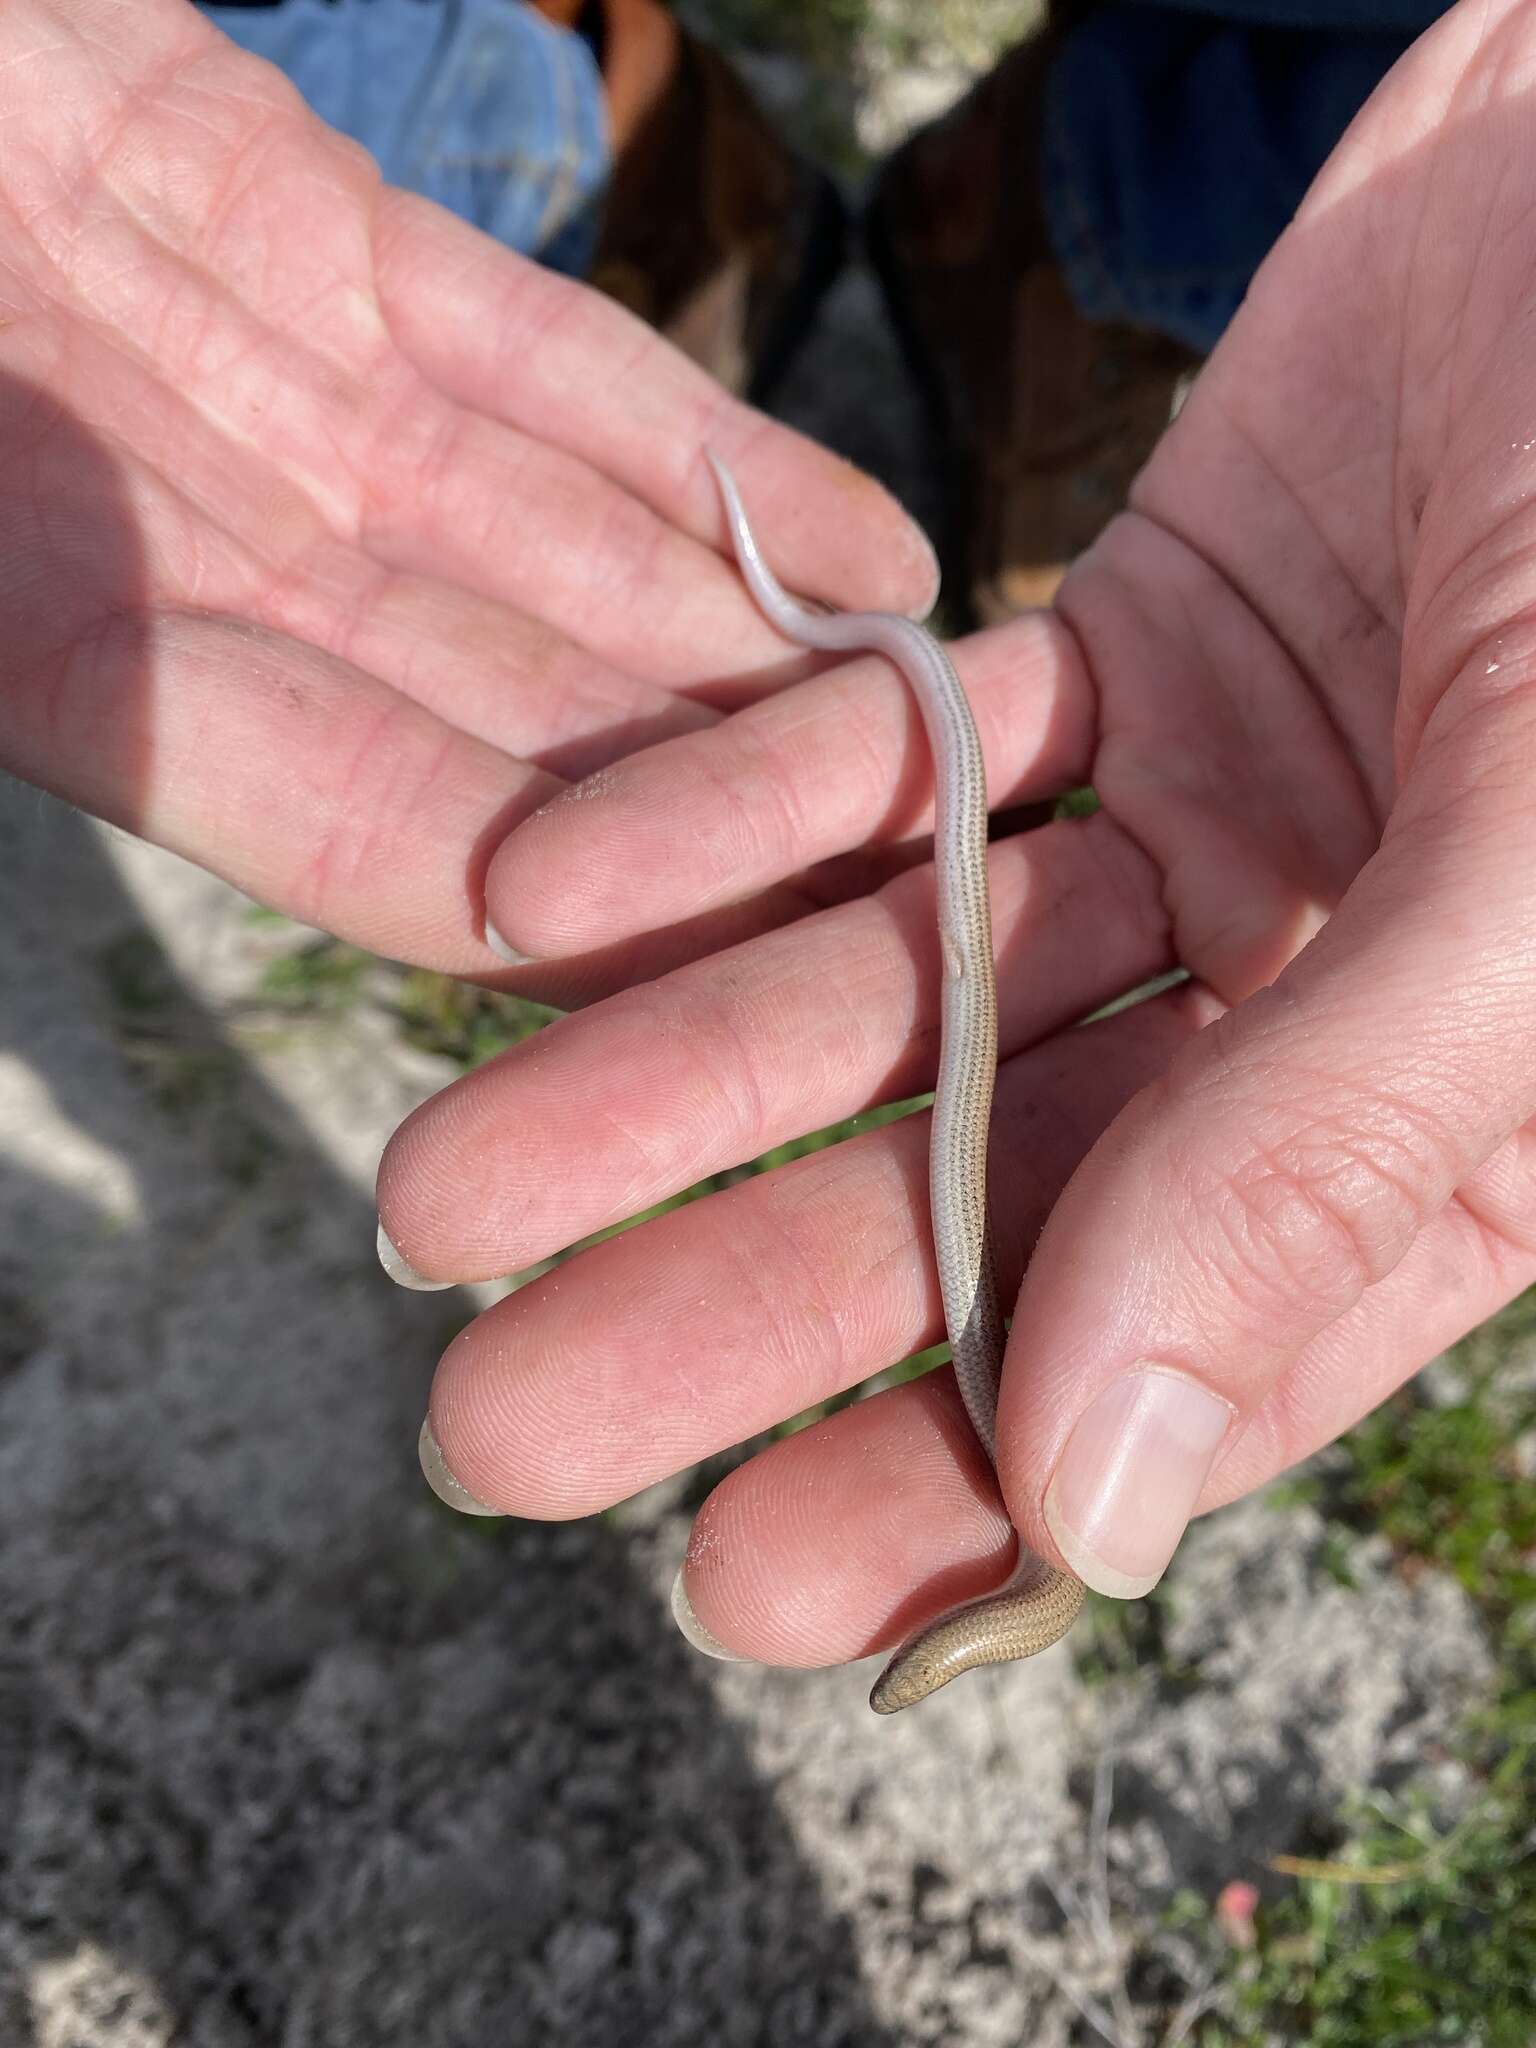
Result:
pixel 322 563
pixel 1300 673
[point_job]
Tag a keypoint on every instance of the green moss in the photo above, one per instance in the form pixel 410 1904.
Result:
pixel 1444 1480
pixel 463 1023
pixel 323 974
pixel 1406 1934
pixel 1410 1932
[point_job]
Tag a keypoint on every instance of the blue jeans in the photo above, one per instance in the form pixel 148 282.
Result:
pixel 1180 139
pixel 480 104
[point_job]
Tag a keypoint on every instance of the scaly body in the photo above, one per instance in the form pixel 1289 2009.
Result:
pixel 1039 1602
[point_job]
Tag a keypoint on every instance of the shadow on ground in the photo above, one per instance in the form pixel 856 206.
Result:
pixel 287 1753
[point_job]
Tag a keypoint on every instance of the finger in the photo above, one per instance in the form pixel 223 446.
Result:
pixel 306 782
pixel 846 1536
pixel 839 1539
pixel 484 667
pixel 1477 1254
pixel 1287 1165
pixel 293 773
pixel 694 1331
pixel 682 1078
pixel 427 491
pixel 505 513
pixel 74 557
pixel 380 452
pixel 524 346
pixel 793 780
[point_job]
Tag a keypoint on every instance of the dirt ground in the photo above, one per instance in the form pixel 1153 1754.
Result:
pixel 290 1755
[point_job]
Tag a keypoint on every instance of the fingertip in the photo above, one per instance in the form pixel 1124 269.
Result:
pixel 831 530
pixel 693 1631
pixel 547 884
pixel 402 1272
pixel 906 563
pixel 1084 1564
pixel 906 577
pixel 1131 1474
pixel 599 863
pixel 503 951
pixel 926 576
pixel 452 1492
pixel 518 879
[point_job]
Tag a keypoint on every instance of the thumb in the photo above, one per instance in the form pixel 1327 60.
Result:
pixel 1319 1194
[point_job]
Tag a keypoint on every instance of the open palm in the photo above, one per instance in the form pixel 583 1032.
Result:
pixel 1301 675
pixel 334 537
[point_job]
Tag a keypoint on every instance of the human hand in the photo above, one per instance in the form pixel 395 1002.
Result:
pixel 335 538
pixel 1301 675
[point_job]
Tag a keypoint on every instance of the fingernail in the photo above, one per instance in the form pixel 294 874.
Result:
pixel 402 1272
pixel 928 555
pixel 1129 1478
pixel 693 1629
pixel 441 1480
pixel 502 950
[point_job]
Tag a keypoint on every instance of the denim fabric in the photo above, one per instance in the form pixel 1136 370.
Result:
pixel 1179 140
pixel 481 105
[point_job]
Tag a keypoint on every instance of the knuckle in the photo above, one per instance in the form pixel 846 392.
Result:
pixel 1321 1210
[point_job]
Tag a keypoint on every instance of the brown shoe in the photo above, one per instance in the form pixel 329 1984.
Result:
pixel 713 231
pixel 1043 417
